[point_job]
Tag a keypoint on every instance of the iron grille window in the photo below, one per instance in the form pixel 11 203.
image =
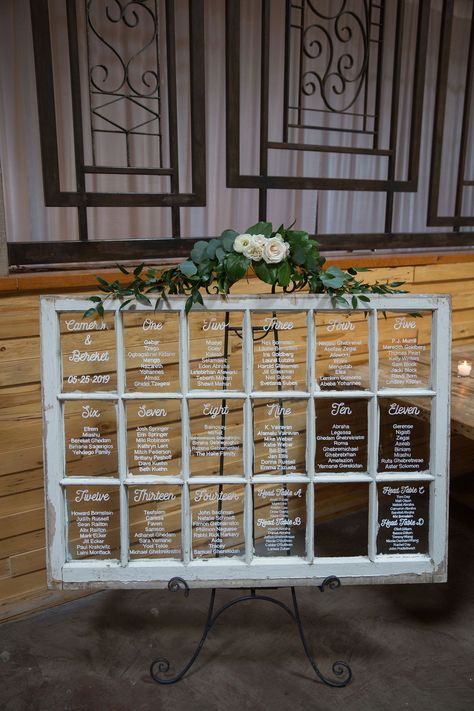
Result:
pixel 333 103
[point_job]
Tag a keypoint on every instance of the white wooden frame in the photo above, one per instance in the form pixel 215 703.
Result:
pixel 250 571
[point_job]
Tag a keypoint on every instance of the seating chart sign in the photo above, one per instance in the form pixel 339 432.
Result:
pixel 258 439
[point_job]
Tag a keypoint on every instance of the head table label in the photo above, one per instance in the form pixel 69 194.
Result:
pixel 271 438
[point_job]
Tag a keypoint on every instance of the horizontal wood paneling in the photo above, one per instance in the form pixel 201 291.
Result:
pixel 22 553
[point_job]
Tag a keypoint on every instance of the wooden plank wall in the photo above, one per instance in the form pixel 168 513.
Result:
pixel 22 553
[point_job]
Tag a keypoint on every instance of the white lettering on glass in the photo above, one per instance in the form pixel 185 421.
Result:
pixel 401 322
pixel 340 408
pixel 88 411
pixel 144 411
pixel 212 324
pixel 335 325
pixel 215 410
pixel 150 325
pixel 396 409
pixel 84 495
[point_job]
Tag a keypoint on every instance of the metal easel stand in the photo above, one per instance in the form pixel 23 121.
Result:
pixel 161 666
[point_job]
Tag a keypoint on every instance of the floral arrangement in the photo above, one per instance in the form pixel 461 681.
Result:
pixel 284 257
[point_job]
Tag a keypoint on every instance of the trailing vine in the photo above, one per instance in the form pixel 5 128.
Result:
pixel 284 257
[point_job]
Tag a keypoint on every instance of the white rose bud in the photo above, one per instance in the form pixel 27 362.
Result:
pixel 241 242
pixel 275 251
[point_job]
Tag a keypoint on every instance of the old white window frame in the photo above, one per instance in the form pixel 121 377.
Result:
pixel 249 571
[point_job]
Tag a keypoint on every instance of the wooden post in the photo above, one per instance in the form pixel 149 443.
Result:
pixel 3 233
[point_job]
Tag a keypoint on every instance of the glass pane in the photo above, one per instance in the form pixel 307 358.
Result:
pixel 90 428
pixel 279 519
pixel 155 521
pixel 279 436
pixel 404 435
pixel 279 350
pixel 403 517
pixel 216 437
pixel 342 351
pixel 94 522
pixel 341 435
pixel 341 519
pixel 404 350
pixel 154 437
pixel 217 514
pixel 215 350
pixel 88 353
pixel 151 351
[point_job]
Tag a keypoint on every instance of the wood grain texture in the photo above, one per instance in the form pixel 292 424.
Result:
pixel 22 552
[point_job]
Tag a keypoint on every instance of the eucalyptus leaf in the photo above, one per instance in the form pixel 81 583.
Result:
pixel 334 277
pixel 188 268
pixel 220 254
pixel 211 248
pixel 228 239
pixel 199 251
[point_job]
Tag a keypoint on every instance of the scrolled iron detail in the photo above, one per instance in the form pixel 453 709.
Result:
pixel 123 57
pixel 332 582
pixel 341 62
pixel 159 666
pixel 177 584
pixel 343 670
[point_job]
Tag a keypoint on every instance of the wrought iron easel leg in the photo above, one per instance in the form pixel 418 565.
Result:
pixel 162 665
pixel 340 669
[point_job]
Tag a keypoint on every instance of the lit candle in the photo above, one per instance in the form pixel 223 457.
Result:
pixel 464 368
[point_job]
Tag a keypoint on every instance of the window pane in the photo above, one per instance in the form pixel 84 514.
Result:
pixel 279 519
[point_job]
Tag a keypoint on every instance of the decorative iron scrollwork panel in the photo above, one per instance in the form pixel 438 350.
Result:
pixel 451 196
pixel 124 89
pixel 331 52
pixel 327 95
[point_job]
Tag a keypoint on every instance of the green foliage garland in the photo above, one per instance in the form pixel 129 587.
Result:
pixel 284 257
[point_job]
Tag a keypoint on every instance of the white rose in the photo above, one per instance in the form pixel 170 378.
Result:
pixel 254 251
pixel 279 237
pixel 241 242
pixel 259 239
pixel 275 251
